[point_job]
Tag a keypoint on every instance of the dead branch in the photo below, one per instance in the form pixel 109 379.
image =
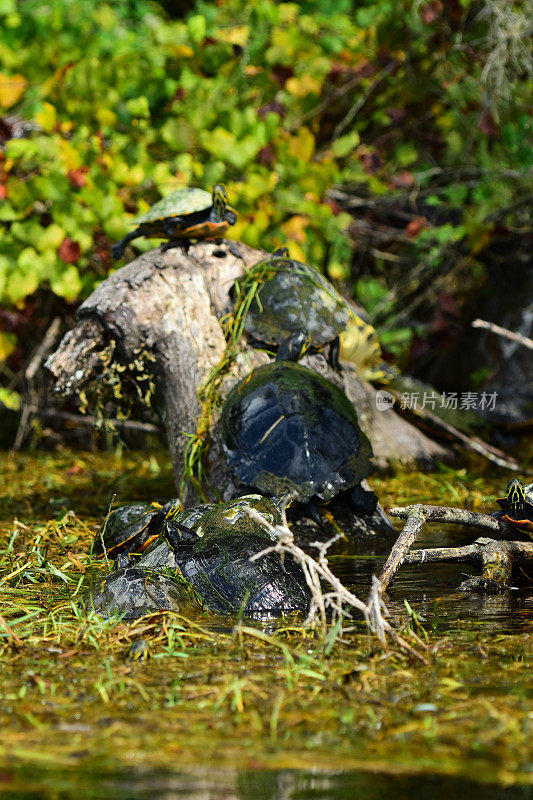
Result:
pixel 499 331
pixel 472 443
pixel 418 515
pixel 495 559
pixel 317 573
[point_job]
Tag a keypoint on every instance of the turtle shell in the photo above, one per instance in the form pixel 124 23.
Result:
pixel 131 529
pixel 132 592
pixel 293 297
pixel 216 560
pixel 286 428
pixel 178 204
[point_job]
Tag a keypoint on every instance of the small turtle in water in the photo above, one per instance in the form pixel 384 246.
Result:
pixel 208 565
pixel 184 214
pixel 517 506
pixel 130 529
pixel 285 428
pixel 139 651
pixel 293 297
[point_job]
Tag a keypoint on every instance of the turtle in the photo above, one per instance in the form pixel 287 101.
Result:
pixel 207 566
pixel 219 560
pixel 184 214
pixel 132 591
pixel 285 428
pixel 294 297
pixel 517 506
pixel 129 530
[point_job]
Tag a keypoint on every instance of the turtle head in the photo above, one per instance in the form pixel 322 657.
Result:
pixel 283 501
pixel 220 200
pixel 295 347
pixel 516 497
pixel 177 535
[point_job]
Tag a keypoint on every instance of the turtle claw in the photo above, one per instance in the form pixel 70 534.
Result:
pixel 139 651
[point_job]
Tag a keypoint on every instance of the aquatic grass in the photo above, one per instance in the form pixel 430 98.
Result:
pixel 225 691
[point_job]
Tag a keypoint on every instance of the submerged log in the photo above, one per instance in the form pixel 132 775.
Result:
pixel 496 558
pixel 169 304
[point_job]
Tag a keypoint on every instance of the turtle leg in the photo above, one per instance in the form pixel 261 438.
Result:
pixel 364 501
pixel 117 251
pixel 333 356
pixel 123 560
pixel 311 509
pixel 170 227
pixel 294 347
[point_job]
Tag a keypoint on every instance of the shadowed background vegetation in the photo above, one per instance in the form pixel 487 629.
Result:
pixel 384 141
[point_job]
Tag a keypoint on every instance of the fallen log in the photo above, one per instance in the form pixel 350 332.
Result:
pixel 162 315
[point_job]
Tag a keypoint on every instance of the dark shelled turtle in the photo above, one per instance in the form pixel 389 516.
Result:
pixel 232 515
pixel 208 567
pixel 215 559
pixel 517 506
pixel 129 530
pixel 285 428
pixel 132 592
pixel 184 214
pixel 294 297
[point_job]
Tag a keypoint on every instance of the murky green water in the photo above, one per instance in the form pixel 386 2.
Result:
pixel 219 718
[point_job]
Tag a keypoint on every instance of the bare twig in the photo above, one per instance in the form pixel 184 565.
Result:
pixel 89 421
pixel 418 515
pixel 45 346
pixel 499 331
pixel 317 572
pixel 474 444
pixel 470 553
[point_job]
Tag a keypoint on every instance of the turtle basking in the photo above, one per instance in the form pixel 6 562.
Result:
pixel 285 428
pixel 517 506
pixel 215 559
pixel 184 214
pixel 131 592
pixel 130 529
pixel 293 297
pixel 208 565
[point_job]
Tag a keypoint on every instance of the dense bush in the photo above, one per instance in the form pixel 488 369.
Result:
pixel 281 101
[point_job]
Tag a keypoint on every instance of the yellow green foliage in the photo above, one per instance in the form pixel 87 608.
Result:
pixel 281 101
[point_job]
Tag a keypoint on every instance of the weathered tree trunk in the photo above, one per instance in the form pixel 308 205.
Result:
pixel 170 305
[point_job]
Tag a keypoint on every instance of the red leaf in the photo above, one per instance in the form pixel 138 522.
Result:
pixel 415 226
pixel 3 192
pixel 372 162
pixel 335 207
pixel 486 124
pixel 404 180
pixel 266 155
pixel 77 177
pixel 69 251
pixel 431 12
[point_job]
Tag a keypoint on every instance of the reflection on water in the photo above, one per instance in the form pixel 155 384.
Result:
pixel 424 585
pixel 213 784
